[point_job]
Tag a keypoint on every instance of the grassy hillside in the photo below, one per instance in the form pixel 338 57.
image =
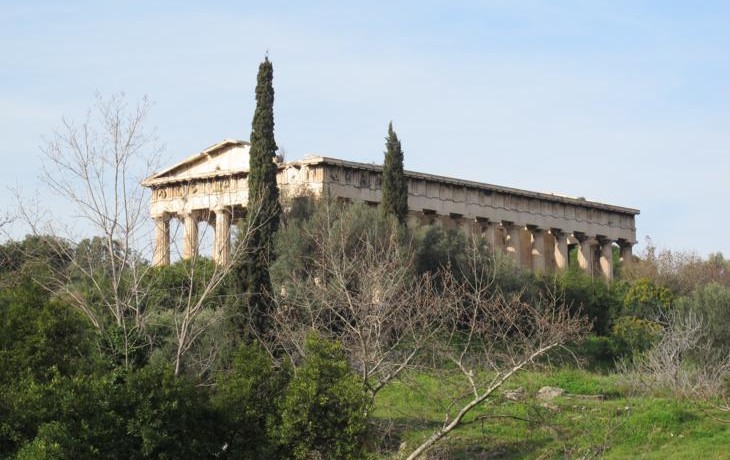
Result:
pixel 596 418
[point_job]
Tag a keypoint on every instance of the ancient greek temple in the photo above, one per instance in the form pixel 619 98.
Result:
pixel 536 229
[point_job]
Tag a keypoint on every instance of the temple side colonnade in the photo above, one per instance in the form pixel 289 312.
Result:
pixel 537 230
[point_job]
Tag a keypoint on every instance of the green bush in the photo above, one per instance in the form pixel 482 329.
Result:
pixel 634 335
pixel 148 413
pixel 324 412
pixel 40 338
pixel 645 299
pixel 712 302
pixel 437 248
pixel 597 351
pixel 591 297
pixel 248 398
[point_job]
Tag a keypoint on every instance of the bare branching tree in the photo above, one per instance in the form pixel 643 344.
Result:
pixel 683 362
pixel 359 288
pixel 6 218
pixel 193 316
pixel 680 271
pixel 97 167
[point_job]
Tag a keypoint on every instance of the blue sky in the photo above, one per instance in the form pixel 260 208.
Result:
pixel 625 102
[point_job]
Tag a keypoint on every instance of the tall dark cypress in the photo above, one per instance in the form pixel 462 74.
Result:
pixel 395 184
pixel 264 209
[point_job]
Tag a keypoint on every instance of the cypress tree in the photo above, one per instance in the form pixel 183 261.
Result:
pixel 264 209
pixel 395 184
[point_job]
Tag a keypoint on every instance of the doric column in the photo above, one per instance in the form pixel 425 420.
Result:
pixel 467 226
pixel 161 256
pixel 497 237
pixel 222 245
pixel 627 256
pixel 606 260
pixel 549 250
pixel 561 249
pixel 538 249
pixel 585 252
pixel 190 238
pixel 514 242
pixel 526 246
pixel 491 233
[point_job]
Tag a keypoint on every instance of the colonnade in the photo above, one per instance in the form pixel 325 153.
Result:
pixel 548 249
pixel 531 247
pixel 220 220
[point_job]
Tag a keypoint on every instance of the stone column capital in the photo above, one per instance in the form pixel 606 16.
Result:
pixel 580 236
pixel 604 240
pixel 585 238
pixel 162 217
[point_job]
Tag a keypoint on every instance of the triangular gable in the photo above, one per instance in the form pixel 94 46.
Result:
pixel 226 157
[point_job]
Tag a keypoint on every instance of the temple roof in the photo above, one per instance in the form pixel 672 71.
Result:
pixel 224 158
pixel 230 157
pixel 315 159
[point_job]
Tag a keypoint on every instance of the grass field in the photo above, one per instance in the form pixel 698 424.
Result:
pixel 576 425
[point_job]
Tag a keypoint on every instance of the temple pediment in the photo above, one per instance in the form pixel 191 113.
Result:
pixel 222 159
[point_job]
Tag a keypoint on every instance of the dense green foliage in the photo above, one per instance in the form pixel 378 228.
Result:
pixel 594 298
pixel 712 301
pixel 148 413
pixel 324 412
pixel 264 209
pixel 395 184
pixel 65 393
pixel 64 396
pixel 248 397
pixel 303 244
pixel 41 338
